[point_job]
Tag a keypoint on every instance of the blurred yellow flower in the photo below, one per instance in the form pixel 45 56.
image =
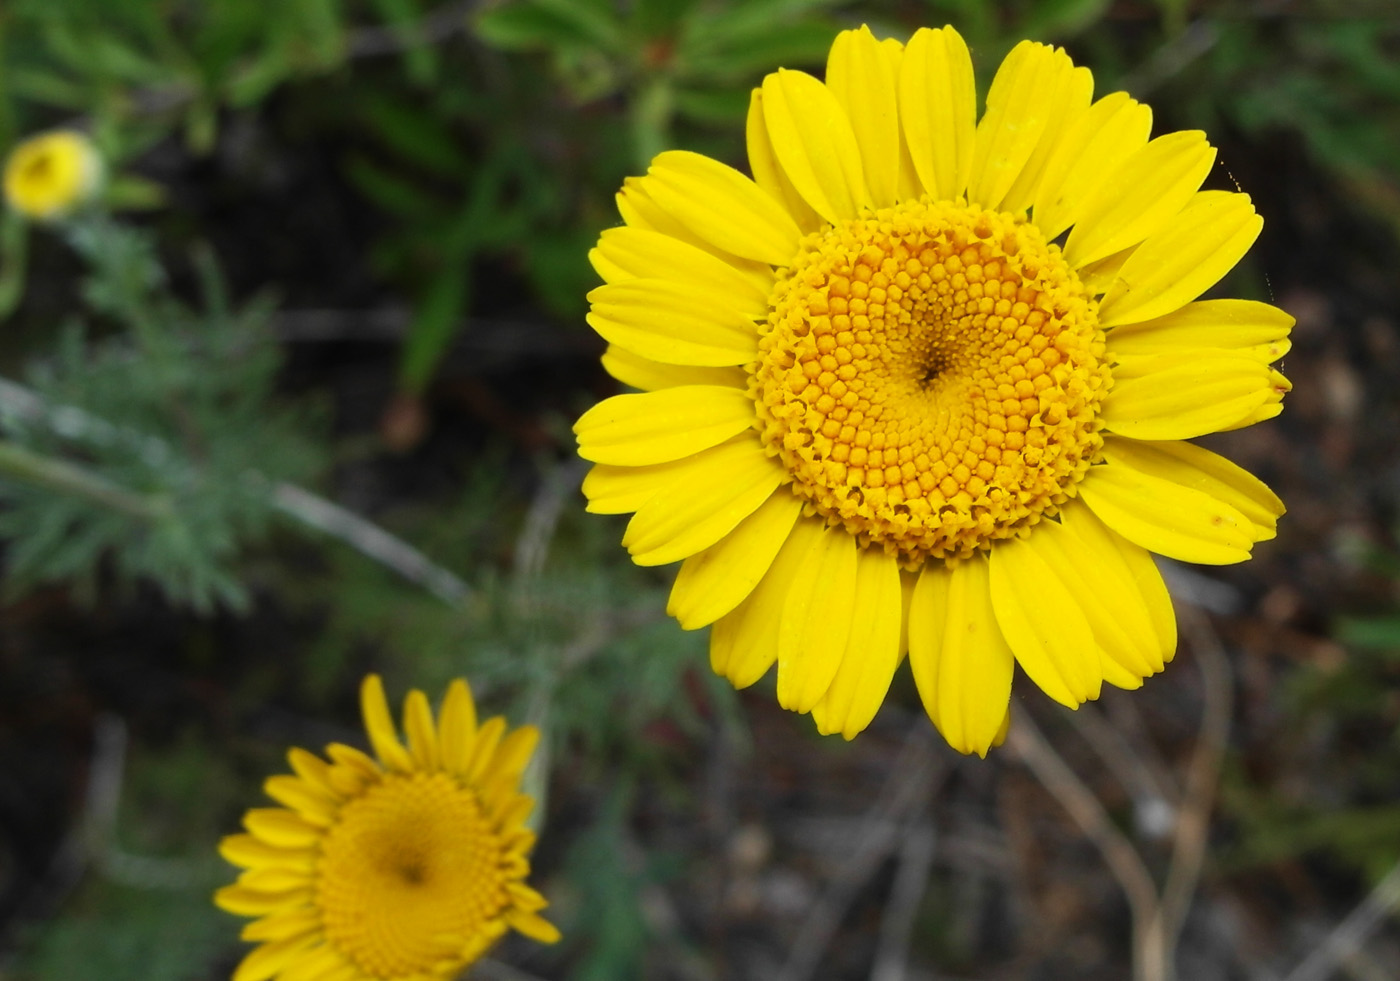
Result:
pixel 884 410
pixel 49 175
pixel 408 867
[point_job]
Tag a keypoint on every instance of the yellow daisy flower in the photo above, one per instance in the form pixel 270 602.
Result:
pixel 49 175
pixel 406 868
pixel 884 410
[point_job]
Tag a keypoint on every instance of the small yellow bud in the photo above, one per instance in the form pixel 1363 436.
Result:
pixel 49 175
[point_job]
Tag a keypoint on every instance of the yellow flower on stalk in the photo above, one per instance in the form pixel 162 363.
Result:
pixel 884 410
pixel 49 175
pixel 407 868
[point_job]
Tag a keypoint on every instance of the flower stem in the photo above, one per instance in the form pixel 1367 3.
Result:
pixel 35 469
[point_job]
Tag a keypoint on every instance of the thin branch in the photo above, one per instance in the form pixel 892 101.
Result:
pixel 1202 776
pixel 1352 932
pixel 1150 796
pixel 1027 742
pixel 912 780
pixel 20 464
pixel 910 883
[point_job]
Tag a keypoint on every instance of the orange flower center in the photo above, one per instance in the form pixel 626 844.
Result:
pixel 931 375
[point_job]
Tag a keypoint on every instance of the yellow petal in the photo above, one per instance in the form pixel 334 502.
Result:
pixel 1107 597
pixel 744 643
pixel 908 187
pixel 513 755
pixel 488 737
pixel 321 964
pixel 281 828
pixel 533 926
pixel 865 84
pixel 1075 89
pixel 713 582
pixel 814 144
pixel 684 519
pixel 1183 260
pixel 1257 328
pixel 626 253
pixel 351 760
pixel 316 805
pixel 379 726
pixel 647 375
pixel 249 852
pixel 938 109
pixel 246 902
pixel 280 926
pixel 768 173
pixel 1099 277
pixel 722 206
pixel 275 879
pixel 1094 146
pixel 640 210
pixel 1200 469
pixel 1141 197
pixel 1130 564
pixel 457 727
pixel 816 620
pixel 1043 624
pixel 1020 104
pixel 1186 394
pixel 872 649
pixel 422 735
pixel 269 959
pixel 961 663
pixel 1166 517
pixel 675 323
pixel 617 490
pixel 311 768
pixel 657 427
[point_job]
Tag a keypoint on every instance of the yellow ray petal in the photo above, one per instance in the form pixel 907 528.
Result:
pixel 281 828
pixel 768 173
pixel 1141 197
pixel 1099 277
pixel 647 375
pixel 715 581
pixel 457 727
pixel 744 643
pixel 938 109
pixel 1200 469
pixel 488 737
pixel 625 253
pixel 275 879
pixel 1166 517
pixel 1131 564
pixel 639 210
pixel 814 143
pixel 246 902
pixel 908 186
pixel 321 964
pixel 1109 600
pixel 676 323
pixel 722 206
pixel 657 427
pixel 311 768
pixel 1044 624
pixel 269 959
pixel 617 490
pixel 1094 146
pixel 1075 89
pixel 682 520
pixel 1186 394
pixel 512 756
pixel 1020 104
pixel 422 734
pixel 1247 325
pixel 962 664
pixel 872 649
pixel 280 926
pixel 316 805
pixel 816 620
pixel 533 926
pixel 865 83
pixel 249 852
pixel 379 726
pixel 1183 260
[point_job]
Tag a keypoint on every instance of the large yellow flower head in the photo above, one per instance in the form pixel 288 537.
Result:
pixel 884 410
pixel 407 868
pixel 49 175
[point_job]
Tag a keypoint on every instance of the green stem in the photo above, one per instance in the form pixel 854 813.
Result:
pixel 14 250
pixel 18 463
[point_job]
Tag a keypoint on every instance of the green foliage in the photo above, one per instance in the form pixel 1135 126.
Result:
pixel 159 416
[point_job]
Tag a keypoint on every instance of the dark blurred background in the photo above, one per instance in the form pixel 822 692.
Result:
pixel 292 402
